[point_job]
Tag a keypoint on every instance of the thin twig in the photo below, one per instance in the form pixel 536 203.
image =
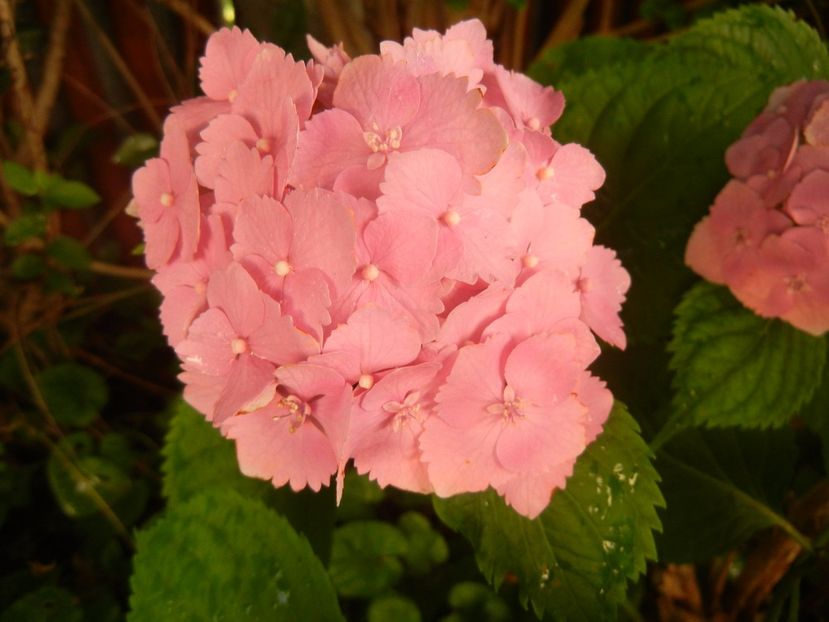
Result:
pixel 123 272
pixel 20 86
pixel 52 66
pixel 119 63
pixel 568 26
pixel 186 12
pixel 112 370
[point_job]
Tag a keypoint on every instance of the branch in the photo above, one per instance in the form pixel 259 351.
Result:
pixel 20 86
pixel 52 67
pixel 124 272
pixel 187 13
pixel 119 63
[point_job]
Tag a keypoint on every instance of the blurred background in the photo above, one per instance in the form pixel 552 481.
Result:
pixel 85 374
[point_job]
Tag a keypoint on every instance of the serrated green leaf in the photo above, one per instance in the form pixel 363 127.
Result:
pixel 220 556
pixel 198 458
pixel 136 149
pixel 721 487
pixel 19 178
pixel 660 125
pixel 27 226
pixel 392 607
pixel 75 485
pixel 69 253
pixel 48 604
pixel 75 394
pixel 364 558
pixel 575 558
pixel 569 61
pixel 27 267
pixel 426 547
pixel 734 368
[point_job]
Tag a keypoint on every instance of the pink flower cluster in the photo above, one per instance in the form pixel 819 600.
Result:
pixel 383 259
pixel 767 235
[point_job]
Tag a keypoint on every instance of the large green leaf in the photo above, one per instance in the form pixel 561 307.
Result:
pixel 198 458
pixel 221 556
pixel 721 487
pixel 734 368
pixel 573 560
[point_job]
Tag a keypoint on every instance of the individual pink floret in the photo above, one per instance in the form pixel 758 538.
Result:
pixel 295 439
pixel 226 62
pixel 167 195
pixel 281 245
pixel 241 339
pixel 463 51
pixel 531 105
pixel 379 109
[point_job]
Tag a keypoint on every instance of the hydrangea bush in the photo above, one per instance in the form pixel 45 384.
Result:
pixel 383 259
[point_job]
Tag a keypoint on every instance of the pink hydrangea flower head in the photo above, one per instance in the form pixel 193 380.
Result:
pixel 383 259
pixel 766 234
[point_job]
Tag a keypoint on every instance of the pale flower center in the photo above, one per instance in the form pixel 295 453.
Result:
pixel 232 95
pixel 451 218
pixel 370 272
pixel 530 261
pixel 405 412
pixel 366 381
pixel 166 199
pixel 380 141
pixel 545 173
pixel 263 145
pixel 239 346
pixel 511 408
pixel 533 123
pixel 282 267
pixel 298 411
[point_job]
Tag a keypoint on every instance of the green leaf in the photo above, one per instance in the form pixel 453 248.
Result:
pixel 136 149
pixel 392 607
pixel 426 547
pixel 75 394
pixel 27 267
pixel 26 227
pixel 48 604
pixel 816 416
pixel 734 368
pixel 69 253
pixel 660 124
pixel 364 558
pixel 575 558
pixel 19 178
pixel 221 556
pixel 360 497
pixel 567 62
pixel 59 192
pixel 198 458
pixel 75 482
pixel 721 487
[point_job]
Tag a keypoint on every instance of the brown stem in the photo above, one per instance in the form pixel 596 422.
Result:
pixel 187 13
pixel 20 86
pixel 123 272
pixel 52 66
pixel 119 63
